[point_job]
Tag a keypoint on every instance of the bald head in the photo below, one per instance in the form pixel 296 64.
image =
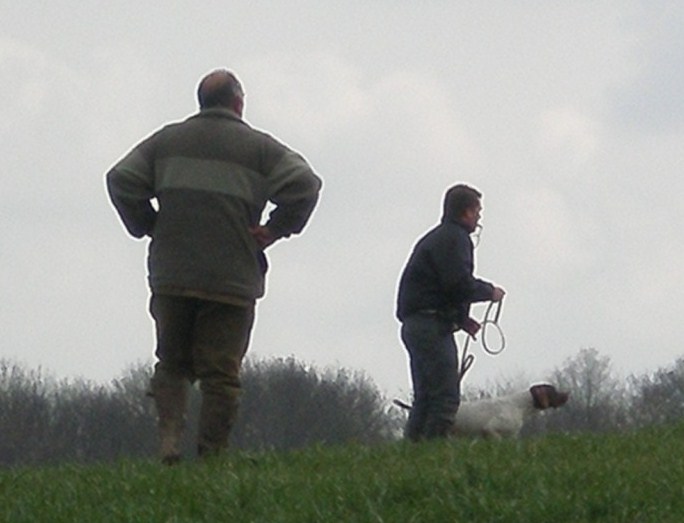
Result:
pixel 220 88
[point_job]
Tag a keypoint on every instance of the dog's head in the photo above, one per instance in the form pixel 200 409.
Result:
pixel 545 396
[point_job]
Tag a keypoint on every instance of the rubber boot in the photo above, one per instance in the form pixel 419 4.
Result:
pixel 171 400
pixel 217 417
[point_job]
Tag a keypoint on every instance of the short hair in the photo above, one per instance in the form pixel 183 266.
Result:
pixel 458 199
pixel 218 89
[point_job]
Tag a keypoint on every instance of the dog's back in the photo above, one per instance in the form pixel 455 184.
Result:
pixel 504 416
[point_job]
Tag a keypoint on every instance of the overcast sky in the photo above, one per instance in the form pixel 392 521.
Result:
pixel 569 116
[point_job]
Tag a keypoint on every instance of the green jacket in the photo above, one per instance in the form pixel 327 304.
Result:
pixel 212 176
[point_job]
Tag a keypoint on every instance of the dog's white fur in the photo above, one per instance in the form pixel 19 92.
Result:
pixel 503 417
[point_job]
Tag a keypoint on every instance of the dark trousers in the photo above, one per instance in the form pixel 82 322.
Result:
pixel 206 341
pixel 434 372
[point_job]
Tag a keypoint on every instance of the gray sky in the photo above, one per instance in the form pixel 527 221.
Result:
pixel 569 116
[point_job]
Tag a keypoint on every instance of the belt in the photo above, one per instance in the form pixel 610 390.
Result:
pixel 433 312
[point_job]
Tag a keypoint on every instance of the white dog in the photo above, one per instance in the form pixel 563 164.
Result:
pixel 504 416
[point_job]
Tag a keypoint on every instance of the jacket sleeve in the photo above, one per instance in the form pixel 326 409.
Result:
pixel 130 184
pixel 294 189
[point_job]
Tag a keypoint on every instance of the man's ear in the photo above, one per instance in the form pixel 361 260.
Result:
pixel 238 105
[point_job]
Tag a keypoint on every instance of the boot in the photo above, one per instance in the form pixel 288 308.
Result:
pixel 171 400
pixel 415 426
pixel 217 417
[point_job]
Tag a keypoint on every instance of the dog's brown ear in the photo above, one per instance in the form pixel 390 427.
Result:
pixel 540 396
pixel 559 399
pixel 545 396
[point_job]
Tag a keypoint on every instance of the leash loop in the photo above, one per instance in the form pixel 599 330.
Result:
pixel 466 359
pixel 486 322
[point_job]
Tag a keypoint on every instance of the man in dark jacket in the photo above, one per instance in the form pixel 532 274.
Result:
pixel 211 176
pixel 435 293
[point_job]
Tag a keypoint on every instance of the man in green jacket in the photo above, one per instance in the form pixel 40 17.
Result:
pixel 198 188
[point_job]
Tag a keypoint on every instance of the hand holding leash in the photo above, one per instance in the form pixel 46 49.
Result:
pixel 470 326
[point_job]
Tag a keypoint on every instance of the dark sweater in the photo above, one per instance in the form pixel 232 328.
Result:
pixel 438 276
pixel 212 176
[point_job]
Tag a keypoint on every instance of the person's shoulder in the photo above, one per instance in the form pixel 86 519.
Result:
pixel 266 137
pixel 447 233
pixel 157 135
pixel 454 229
pixel 172 126
pixel 430 236
pixel 445 228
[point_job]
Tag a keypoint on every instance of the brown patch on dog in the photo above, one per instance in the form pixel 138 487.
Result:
pixel 546 396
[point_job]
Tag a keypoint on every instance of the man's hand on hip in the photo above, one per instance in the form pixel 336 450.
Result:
pixel 262 235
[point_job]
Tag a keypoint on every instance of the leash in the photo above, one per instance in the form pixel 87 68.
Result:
pixel 486 322
pixel 467 360
pixel 401 404
pixel 477 234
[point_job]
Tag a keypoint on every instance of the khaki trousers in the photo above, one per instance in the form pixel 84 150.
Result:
pixel 199 340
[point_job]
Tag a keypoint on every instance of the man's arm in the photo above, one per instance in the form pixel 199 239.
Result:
pixel 294 190
pixel 130 184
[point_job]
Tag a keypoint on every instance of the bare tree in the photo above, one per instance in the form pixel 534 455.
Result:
pixel 597 401
pixel 659 398
pixel 25 408
pixel 44 421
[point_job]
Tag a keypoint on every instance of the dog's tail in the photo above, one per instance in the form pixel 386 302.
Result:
pixel 401 404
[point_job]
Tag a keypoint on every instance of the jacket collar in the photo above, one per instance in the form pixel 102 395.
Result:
pixel 453 221
pixel 222 112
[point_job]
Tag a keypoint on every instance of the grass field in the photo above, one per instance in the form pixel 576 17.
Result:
pixel 631 477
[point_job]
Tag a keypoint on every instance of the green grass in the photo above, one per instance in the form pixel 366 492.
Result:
pixel 624 478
